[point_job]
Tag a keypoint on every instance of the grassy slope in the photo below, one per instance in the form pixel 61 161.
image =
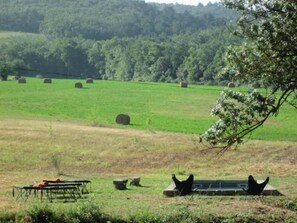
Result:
pixel 101 102
pixel 28 148
pixel 153 106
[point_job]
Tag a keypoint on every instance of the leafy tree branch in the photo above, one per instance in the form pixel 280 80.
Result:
pixel 268 54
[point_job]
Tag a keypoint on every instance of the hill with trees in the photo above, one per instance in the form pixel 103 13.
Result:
pixel 116 39
pixel 104 19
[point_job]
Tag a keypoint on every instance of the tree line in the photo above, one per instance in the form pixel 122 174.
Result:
pixel 105 19
pixel 115 39
pixel 196 57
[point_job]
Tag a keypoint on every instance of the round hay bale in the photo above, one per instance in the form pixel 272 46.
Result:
pixel 89 81
pixel 184 84
pixel 78 85
pixel 231 85
pixel 16 78
pixel 22 80
pixel 47 81
pixel 123 119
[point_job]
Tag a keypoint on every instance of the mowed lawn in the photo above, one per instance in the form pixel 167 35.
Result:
pixel 153 106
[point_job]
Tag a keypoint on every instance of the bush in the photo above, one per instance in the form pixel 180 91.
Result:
pixel 5 70
pixel 4 77
pixel 8 217
pixel 43 213
pixel 88 212
pixel 39 213
pixel 145 217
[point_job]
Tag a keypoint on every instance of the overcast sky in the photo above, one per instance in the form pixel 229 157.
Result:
pixel 185 2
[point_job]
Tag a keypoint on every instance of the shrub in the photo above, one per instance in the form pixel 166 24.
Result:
pixel 145 217
pixel 5 70
pixel 7 217
pixel 39 213
pixel 4 77
pixel 88 212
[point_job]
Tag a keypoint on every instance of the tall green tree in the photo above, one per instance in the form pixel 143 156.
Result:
pixel 269 55
pixel 6 69
pixel 193 65
pixel 96 58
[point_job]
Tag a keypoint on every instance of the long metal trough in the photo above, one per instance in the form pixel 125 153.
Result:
pixel 220 187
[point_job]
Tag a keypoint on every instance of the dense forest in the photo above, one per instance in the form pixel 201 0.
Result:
pixel 116 39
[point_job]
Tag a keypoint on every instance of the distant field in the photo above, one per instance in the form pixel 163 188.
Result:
pixel 152 106
pixel 6 34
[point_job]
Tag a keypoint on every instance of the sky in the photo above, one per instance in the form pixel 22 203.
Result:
pixel 185 2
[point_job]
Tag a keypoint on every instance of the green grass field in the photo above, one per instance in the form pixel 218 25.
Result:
pixel 43 123
pixel 154 106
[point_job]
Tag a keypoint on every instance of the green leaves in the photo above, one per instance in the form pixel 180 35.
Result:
pixel 238 113
pixel 269 55
pixel 5 70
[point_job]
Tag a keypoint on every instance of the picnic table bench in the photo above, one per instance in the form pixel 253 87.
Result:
pixel 82 184
pixel 66 190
